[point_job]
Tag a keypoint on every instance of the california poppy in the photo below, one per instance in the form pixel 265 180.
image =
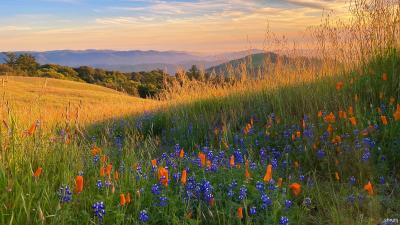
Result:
pixel 384 77
pixel 353 120
pixel 163 176
pixel 128 198
pixel 181 153
pixel 78 184
pixel 116 175
pixel 154 162
pixel 202 157
pixel 330 118
pixel 247 174
pixel 95 150
pixel 296 188
pixel 384 120
pixel 268 173
pixel 102 171
pixel 337 176
pixel 368 187
pixel 396 114
pixel 339 85
pixel 184 177
pixel 38 172
pixel 108 170
pixel 279 183
pixel 240 213
pixel 232 161
pixel 350 111
pixel 32 129
pixel 122 200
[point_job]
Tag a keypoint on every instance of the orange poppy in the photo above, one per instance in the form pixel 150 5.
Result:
pixel 350 111
pixel 38 172
pixel 339 85
pixel 154 162
pixel 320 113
pixel 384 77
pixel 108 170
pixel 232 161
pixel 396 114
pixel 122 200
pixel 330 118
pixel 163 176
pixel 116 175
pixel 247 173
pixel 353 120
pixel 128 198
pixel 95 150
pixel 296 188
pixel 368 187
pixel 202 157
pixel 211 202
pixel 329 129
pixel 102 171
pixel 298 134
pixel 279 182
pixel 181 153
pixel 32 129
pixel 103 158
pixel 384 120
pixel 268 173
pixel 337 176
pixel 184 177
pixel 240 213
pixel 78 184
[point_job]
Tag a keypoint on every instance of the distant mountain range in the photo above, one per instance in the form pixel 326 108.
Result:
pixel 135 60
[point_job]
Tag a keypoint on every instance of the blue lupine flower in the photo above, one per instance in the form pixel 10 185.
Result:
pixel 366 155
pixel 351 198
pixel 274 163
pixel 253 210
pixel 242 192
pixel 288 204
pixel 163 201
pixel 99 184
pixel 352 180
pixel 64 194
pixel 301 177
pixel 320 154
pixel 284 220
pixel 260 186
pixel 253 166
pixel 156 189
pixel 143 216
pixel 99 210
pixel 382 180
pixel 266 201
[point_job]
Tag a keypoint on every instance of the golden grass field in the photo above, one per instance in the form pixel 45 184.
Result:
pixel 53 101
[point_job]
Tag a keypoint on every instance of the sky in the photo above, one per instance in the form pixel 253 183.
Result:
pixel 181 25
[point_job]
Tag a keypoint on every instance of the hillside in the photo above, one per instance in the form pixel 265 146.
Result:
pixel 48 99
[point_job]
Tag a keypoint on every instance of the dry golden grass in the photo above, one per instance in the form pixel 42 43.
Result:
pixel 56 101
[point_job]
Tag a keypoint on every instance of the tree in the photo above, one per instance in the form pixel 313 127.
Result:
pixel 11 59
pixel 27 63
pixel 193 73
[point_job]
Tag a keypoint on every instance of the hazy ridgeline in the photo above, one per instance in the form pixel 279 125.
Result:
pixel 352 67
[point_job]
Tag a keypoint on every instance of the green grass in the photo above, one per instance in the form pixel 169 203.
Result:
pixel 213 122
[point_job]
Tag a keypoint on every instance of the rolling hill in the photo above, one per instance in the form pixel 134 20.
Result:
pixel 53 100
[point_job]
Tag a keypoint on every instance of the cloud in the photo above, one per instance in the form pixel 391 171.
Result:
pixel 15 28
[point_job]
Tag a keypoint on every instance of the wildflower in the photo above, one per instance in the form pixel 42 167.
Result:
pixel 242 192
pixel 352 180
pixel 279 183
pixel 240 213
pixel 350 111
pixel 128 198
pixel 102 171
pixel 122 200
pixel 330 118
pixel 99 184
pixel 64 194
pixel 253 210
pixel 202 158
pixel 320 154
pixel 384 77
pixel 95 150
pixel 143 216
pixel 32 128
pixel 108 170
pixel 353 121
pixel 307 202
pixel 268 173
pixel 184 177
pixel 38 172
pixel 337 176
pixel 368 187
pixel 382 180
pixel 296 188
pixel 78 184
pixel 154 163
pixel 266 201
pixel 156 189
pixel 181 153
pixel 232 161
pixel 384 120
pixel 396 114
pixel 163 176
pixel 366 155
pixel 284 220
pixel 339 85
pixel 99 210
pixel 163 201
pixel 288 204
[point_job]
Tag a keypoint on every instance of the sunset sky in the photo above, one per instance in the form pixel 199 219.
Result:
pixel 184 25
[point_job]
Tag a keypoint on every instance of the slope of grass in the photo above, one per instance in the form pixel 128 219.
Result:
pixel 52 101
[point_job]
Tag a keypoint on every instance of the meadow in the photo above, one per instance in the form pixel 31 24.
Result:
pixel 298 146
